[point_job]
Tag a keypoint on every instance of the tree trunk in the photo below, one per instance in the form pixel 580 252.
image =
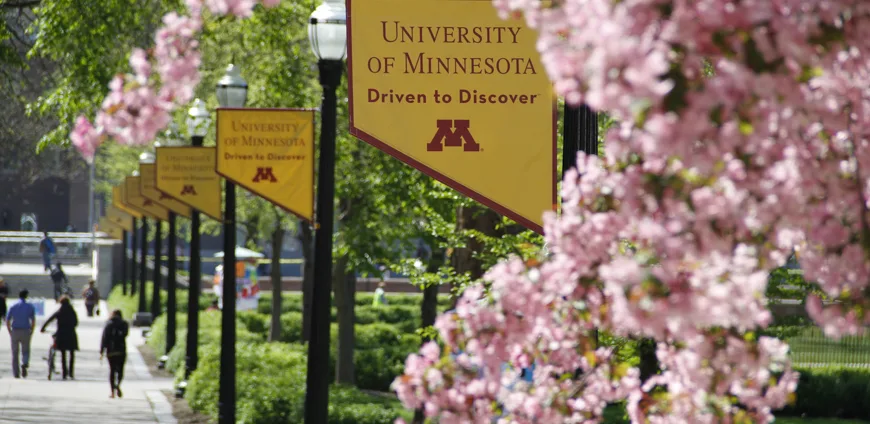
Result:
pixel 429 310
pixel 429 306
pixel 649 363
pixel 477 218
pixel 344 284
pixel 306 238
pixel 277 247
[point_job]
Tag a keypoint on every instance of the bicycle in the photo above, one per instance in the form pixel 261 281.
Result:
pixel 52 352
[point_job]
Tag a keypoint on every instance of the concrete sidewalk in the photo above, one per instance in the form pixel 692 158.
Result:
pixel 85 399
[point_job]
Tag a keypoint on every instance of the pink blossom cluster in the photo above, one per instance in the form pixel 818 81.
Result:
pixel 139 105
pixel 742 138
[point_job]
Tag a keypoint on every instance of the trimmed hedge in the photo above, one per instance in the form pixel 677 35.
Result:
pixel 271 376
pixel 271 388
pixel 292 302
pixel 833 392
pixel 130 304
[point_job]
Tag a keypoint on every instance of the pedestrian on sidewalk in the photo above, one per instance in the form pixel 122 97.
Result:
pixel 92 298
pixel 61 283
pixel 4 293
pixel 48 250
pixel 21 321
pixel 66 339
pixel 114 346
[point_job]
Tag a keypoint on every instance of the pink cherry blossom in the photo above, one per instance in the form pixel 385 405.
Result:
pixel 740 139
pixel 85 138
pixel 139 106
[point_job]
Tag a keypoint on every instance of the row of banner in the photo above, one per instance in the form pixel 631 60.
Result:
pixel 269 152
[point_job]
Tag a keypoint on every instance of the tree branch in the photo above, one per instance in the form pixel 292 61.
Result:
pixel 21 4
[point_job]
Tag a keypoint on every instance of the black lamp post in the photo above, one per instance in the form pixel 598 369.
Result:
pixel 124 262
pixel 198 121
pixel 149 157
pixel 143 252
pixel 171 279
pixel 143 270
pixel 133 247
pixel 328 36
pixel 232 92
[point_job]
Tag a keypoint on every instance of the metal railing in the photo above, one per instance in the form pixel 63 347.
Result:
pixel 811 348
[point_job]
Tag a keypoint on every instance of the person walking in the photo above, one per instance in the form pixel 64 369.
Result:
pixel 380 297
pixel 4 293
pixel 114 346
pixel 48 250
pixel 21 321
pixel 66 340
pixel 61 283
pixel 92 298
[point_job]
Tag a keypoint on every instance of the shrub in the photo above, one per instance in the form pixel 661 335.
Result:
pixel 126 303
pixel 254 322
pixel 291 327
pixel 376 335
pixel 129 304
pixel 271 389
pixel 290 302
pixel 832 393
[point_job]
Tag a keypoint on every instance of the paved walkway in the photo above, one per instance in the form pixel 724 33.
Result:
pixel 85 399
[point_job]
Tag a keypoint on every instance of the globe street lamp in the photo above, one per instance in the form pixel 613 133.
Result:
pixel 198 121
pixel 328 36
pixel 232 92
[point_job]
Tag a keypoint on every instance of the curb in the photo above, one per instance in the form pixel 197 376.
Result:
pixel 161 407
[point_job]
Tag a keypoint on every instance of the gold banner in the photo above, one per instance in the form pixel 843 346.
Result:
pixel 109 228
pixel 135 199
pixel 457 92
pixel 188 175
pixel 148 175
pixel 269 152
pixel 119 200
pixel 119 218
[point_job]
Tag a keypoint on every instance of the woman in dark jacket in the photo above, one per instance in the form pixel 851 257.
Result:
pixel 66 339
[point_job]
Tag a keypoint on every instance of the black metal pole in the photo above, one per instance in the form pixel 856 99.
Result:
pixel 143 268
pixel 171 286
pixel 194 288
pixel 580 134
pixel 124 262
pixel 158 275
pixel 227 398
pixel 316 384
pixel 133 268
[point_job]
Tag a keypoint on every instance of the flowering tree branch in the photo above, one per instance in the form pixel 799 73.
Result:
pixel 714 179
pixel 139 105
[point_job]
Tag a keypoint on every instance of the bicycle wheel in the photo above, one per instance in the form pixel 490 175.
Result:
pixel 51 353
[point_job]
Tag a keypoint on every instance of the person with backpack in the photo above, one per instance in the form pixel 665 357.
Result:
pixel 61 283
pixel 66 339
pixel 114 346
pixel 48 250
pixel 92 297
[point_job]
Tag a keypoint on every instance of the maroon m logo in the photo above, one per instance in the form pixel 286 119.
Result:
pixel 265 174
pixel 188 189
pixel 452 133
